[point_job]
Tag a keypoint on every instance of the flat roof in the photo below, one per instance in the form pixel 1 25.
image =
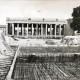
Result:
pixel 2 26
pixel 36 20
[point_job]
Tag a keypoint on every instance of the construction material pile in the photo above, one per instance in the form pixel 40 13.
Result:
pixel 70 40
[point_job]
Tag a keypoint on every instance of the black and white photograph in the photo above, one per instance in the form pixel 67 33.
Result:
pixel 39 39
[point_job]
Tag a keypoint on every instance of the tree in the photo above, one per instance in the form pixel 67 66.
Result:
pixel 75 25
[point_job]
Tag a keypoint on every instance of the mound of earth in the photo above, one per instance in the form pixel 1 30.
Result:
pixel 50 42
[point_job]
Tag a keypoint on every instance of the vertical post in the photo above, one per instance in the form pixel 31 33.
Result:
pixel 60 30
pixel 64 29
pixel 13 29
pixel 32 30
pixel 55 30
pixel 27 30
pixel 17 29
pixel 36 30
pixel 22 30
pixel 7 29
pixel 3 30
pixel 46 30
pixel 51 30
pixel 41 30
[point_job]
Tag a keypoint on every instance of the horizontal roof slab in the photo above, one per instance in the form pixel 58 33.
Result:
pixel 36 20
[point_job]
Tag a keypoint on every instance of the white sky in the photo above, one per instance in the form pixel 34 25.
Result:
pixel 61 9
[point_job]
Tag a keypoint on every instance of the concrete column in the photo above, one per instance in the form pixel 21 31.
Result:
pixel 27 30
pixel 42 30
pixel 6 28
pixel 64 29
pixel 36 30
pixel 60 30
pixel 17 29
pixel 39 31
pixel 3 30
pixel 46 30
pixel 51 30
pixel 22 29
pixel 55 30
pixel 13 29
pixel 32 30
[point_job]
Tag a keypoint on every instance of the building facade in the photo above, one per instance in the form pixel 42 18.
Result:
pixel 3 29
pixel 35 28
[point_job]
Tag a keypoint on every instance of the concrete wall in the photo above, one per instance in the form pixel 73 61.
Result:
pixel 67 30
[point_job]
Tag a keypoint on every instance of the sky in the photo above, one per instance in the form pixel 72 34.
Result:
pixel 56 9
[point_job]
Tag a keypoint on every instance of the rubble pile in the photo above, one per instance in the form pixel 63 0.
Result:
pixel 70 40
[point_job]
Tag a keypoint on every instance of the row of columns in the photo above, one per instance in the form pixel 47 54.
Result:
pixel 36 30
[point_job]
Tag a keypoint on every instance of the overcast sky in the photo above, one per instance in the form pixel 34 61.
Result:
pixel 57 9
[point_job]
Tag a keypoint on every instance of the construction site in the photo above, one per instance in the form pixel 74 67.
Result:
pixel 39 59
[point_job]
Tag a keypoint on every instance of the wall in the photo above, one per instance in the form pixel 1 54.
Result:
pixel 68 31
